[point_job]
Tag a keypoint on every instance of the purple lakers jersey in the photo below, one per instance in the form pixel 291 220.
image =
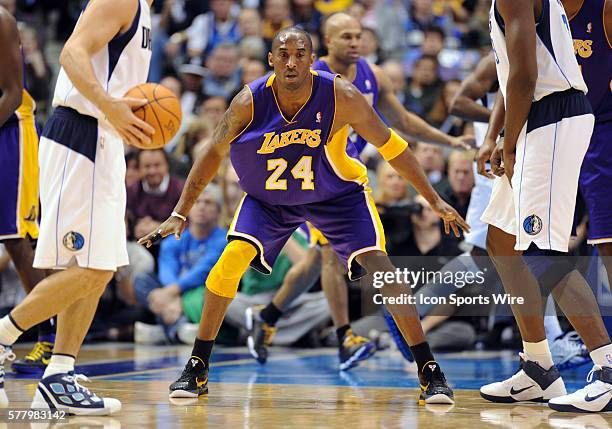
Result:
pixel 594 54
pixel 365 82
pixel 294 161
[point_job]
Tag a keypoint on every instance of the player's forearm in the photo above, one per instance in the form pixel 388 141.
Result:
pixel 496 122
pixel 466 108
pixel 417 128
pixel 9 102
pixel 77 64
pixel 203 172
pixel 407 165
pixel 520 90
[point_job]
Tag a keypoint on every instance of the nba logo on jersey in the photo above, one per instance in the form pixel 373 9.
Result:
pixel 368 84
pixel 590 27
pixel 318 120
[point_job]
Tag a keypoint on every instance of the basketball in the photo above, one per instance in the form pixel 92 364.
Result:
pixel 162 112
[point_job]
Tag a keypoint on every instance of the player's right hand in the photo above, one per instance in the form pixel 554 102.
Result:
pixel 172 225
pixel 497 157
pixel 483 156
pixel 119 112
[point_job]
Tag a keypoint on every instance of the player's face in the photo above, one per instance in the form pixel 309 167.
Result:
pixel 345 45
pixel 291 60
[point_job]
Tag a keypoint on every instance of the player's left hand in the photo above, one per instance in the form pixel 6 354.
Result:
pixel 451 218
pixel 463 142
pixel 172 225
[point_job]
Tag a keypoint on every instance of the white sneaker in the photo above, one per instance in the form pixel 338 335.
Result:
pixel 6 353
pixel 148 334
pixel 530 383
pixel 568 351
pixel 595 397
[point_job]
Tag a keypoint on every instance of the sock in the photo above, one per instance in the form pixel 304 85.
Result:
pixel 59 364
pixel 46 331
pixel 551 322
pixel 341 332
pixel 422 354
pixel 270 314
pixel 602 356
pixel 9 331
pixel 202 350
pixel 539 353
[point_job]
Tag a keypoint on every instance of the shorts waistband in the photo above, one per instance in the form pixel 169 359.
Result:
pixel 557 106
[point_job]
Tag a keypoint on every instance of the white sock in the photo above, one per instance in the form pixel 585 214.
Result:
pixel 8 331
pixel 551 322
pixel 602 356
pixel 539 353
pixel 59 364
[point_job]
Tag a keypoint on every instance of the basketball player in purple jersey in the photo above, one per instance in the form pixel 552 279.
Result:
pixel 591 25
pixel 343 41
pixel 287 134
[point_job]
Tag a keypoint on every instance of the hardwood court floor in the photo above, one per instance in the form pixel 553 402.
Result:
pixel 296 389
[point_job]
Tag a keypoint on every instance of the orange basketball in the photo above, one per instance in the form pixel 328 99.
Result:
pixel 162 112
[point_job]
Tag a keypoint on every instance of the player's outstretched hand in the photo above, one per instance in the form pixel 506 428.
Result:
pixel 483 156
pixel 451 218
pixel 172 225
pixel 466 142
pixel 497 157
pixel 119 112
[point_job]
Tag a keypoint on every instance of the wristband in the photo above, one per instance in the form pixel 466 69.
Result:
pixel 180 216
pixel 393 147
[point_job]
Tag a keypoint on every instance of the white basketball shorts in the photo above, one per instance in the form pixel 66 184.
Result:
pixel 82 193
pixel 539 207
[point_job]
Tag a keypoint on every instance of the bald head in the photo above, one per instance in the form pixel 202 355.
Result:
pixel 338 21
pixel 295 33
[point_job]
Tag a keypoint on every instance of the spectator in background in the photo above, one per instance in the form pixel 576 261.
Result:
pixel 223 78
pixel 36 70
pixel 252 70
pixel 277 15
pixel 174 17
pixel 432 45
pixel 192 80
pixel 395 72
pixel 460 181
pixel 253 48
pixel 391 187
pixel 196 129
pixel 450 124
pixel 214 28
pixel 306 16
pixel 422 16
pixel 424 87
pixel 212 110
pixel 151 200
pixel 173 84
pixel 132 172
pixel 431 158
pixel 183 266
pixel 249 22
pixel 232 193
pixel 370 46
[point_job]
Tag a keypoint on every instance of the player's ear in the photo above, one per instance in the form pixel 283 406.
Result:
pixel 270 63
pixel 313 57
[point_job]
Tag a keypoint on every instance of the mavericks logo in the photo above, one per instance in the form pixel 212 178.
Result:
pixel 73 241
pixel 273 141
pixel 532 224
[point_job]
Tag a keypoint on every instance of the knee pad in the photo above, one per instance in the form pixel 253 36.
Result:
pixel 225 276
pixel 549 267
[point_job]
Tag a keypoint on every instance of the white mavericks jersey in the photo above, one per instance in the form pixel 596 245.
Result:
pixel 557 66
pixel 119 66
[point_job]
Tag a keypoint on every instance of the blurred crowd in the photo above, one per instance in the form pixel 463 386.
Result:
pixel 204 51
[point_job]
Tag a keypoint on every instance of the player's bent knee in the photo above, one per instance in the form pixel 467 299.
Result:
pixel 225 276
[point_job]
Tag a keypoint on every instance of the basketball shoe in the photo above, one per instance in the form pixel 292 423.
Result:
pixel 5 354
pixel 434 388
pixel 595 397
pixel 260 334
pixel 193 381
pixel 36 361
pixel 62 391
pixel 568 351
pixel 531 383
pixel 354 349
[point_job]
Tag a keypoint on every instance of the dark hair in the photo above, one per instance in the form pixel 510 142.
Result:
pixel 154 150
pixel 435 29
pixel 293 30
pixel 427 57
pixel 132 155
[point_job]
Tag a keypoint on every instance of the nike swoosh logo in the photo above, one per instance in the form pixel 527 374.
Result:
pixel 516 392
pixel 200 382
pixel 592 398
pixel 46 361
